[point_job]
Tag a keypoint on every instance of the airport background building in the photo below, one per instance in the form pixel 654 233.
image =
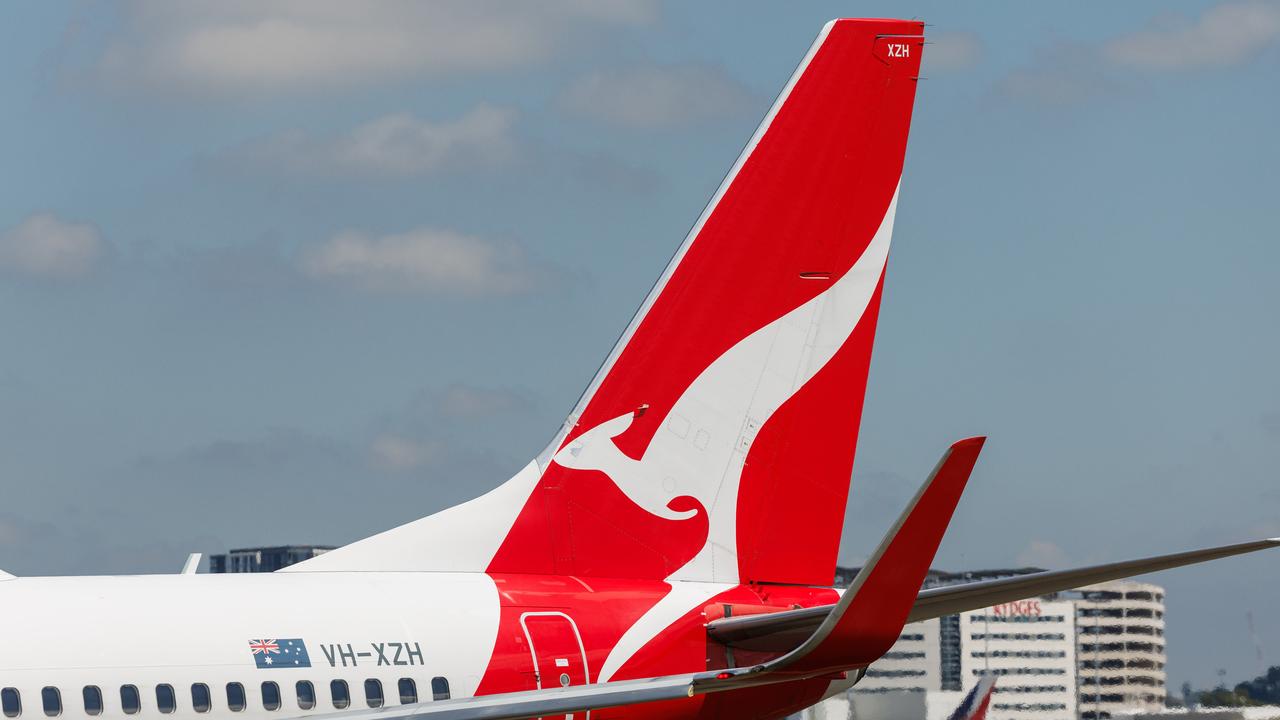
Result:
pixel 263 559
pixel 1121 648
pixel 1087 654
pixel 1030 646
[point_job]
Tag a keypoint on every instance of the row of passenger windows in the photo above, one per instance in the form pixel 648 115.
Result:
pixel 237 701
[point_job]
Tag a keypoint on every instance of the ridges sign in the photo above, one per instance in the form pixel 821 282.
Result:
pixel 1021 608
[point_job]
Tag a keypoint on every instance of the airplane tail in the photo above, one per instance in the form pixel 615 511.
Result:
pixel 975 704
pixel 716 442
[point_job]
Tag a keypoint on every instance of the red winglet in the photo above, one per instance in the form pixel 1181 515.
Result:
pixel 870 615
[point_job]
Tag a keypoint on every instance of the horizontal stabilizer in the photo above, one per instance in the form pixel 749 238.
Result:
pixel 779 632
pixel 936 602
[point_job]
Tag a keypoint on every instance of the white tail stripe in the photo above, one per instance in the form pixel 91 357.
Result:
pixel 836 312
pixel 733 397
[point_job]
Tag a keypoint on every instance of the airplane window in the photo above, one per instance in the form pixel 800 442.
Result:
pixel 439 688
pixel 235 697
pixel 270 696
pixel 340 694
pixel 92 700
pixel 130 701
pixel 408 691
pixel 201 699
pixel 373 692
pixel 306 694
pixel 52 701
pixel 11 702
pixel 165 699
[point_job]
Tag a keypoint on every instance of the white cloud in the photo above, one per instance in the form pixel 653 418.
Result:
pixel 46 246
pixel 397 145
pixel 1225 34
pixel 656 96
pixel 1044 554
pixel 471 402
pixel 425 260
pixel 396 453
pixel 952 51
pixel 296 45
pixel 12 532
pixel 1062 75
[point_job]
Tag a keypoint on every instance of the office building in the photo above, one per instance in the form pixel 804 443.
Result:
pixel 1093 653
pixel 263 559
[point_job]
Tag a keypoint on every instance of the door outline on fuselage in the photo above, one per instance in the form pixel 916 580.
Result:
pixel 533 653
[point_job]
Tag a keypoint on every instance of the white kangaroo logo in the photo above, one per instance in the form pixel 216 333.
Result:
pixel 706 437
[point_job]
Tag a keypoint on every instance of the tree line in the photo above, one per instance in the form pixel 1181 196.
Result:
pixel 1262 690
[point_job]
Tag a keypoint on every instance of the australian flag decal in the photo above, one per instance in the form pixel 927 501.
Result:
pixel 281 653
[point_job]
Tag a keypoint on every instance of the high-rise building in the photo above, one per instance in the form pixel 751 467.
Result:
pixel 1092 653
pixel 913 664
pixel 1030 646
pixel 1121 651
pixel 928 656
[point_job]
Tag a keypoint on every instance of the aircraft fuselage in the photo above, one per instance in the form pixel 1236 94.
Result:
pixel 312 643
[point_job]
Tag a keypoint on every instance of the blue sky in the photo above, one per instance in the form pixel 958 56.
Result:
pixel 298 272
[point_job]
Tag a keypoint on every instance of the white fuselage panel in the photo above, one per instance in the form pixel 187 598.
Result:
pixel 183 629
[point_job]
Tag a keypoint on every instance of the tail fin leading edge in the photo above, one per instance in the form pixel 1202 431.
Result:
pixel 716 442
pixel 728 412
